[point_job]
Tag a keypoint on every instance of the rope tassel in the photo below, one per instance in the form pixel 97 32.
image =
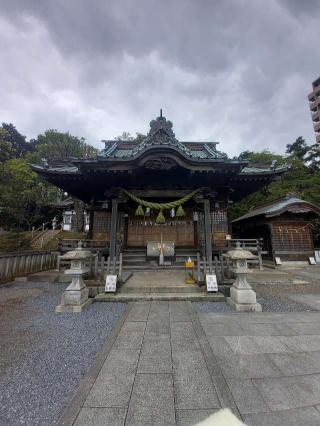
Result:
pixel 180 212
pixel 160 218
pixel 139 211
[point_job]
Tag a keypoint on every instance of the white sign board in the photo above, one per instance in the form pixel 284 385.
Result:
pixel 278 261
pixel 111 284
pixel 211 281
pixel 312 261
pixel 317 255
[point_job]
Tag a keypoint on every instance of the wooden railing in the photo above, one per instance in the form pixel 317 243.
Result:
pixel 13 265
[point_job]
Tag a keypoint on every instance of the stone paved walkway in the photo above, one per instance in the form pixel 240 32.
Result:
pixel 167 365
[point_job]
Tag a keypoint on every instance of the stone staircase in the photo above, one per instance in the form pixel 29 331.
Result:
pixel 159 285
pixel 43 237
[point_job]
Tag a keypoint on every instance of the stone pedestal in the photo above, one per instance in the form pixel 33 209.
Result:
pixel 76 296
pixel 243 299
pixel 242 296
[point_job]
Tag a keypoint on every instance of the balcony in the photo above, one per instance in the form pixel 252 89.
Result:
pixel 315 115
pixel 315 103
pixel 311 97
pixel 318 138
pixel 316 126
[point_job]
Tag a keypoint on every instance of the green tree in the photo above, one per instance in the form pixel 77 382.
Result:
pixel 301 179
pixel 6 149
pixel 19 146
pixel 22 194
pixel 299 148
pixel 53 145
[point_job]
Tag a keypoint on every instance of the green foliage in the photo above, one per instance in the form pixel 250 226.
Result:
pixel 15 241
pixel 303 177
pixel 53 244
pixel 262 157
pixel 126 136
pixel 54 145
pixel 22 194
pixel 6 149
pixel 19 147
pixel 298 149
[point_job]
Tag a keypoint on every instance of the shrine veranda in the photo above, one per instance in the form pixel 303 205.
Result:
pixel 159 170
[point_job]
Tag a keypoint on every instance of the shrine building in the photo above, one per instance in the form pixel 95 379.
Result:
pixel 159 188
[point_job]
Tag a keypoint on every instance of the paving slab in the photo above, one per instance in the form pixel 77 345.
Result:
pixel 101 417
pixel 256 344
pixel 248 366
pixel 223 329
pixel 289 392
pixel 183 337
pixel 113 385
pixel 192 417
pixel 269 329
pixel 294 364
pixel 152 401
pixel 193 386
pixel 247 396
pixel 169 365
pixel 139 311
pixel 302 343
pixel 304 327
pixel 130 336
pixel 155 355
pixel 306 416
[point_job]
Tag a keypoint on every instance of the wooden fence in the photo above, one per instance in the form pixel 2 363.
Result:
pixel 19 264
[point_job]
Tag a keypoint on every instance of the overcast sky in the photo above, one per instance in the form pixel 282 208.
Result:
pixel 233 71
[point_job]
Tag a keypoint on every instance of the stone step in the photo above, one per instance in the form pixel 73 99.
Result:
pixel 152 267
pixel 178 289
pixel 134 297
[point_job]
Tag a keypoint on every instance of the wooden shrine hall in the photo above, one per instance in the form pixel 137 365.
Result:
pixel 157 188
pixel 285 226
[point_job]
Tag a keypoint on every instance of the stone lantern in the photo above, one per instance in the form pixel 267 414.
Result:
pixel 242 297
pixel 75 298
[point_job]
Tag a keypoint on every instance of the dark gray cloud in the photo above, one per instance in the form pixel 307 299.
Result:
pixel 237 71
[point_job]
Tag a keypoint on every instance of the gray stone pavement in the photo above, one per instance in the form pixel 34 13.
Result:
pixel 168 365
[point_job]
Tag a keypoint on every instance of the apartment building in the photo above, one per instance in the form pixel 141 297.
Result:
pixel 314 101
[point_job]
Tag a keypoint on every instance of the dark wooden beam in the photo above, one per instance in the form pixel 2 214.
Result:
pixel 114 221
pixel 207 228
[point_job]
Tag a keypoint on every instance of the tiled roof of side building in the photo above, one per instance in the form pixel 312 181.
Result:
pixel 274 207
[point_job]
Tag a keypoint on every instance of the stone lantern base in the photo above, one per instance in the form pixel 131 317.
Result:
pixel 73 302
pixel 76 297
pixel 243 299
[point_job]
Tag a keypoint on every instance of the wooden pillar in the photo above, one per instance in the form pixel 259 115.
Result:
pixel 207 229
pixel 114 221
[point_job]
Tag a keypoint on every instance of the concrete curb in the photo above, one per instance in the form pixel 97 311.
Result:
pixel 71 412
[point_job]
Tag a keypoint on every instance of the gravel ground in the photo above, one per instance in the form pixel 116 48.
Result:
pixel 269 304
pixel 44 355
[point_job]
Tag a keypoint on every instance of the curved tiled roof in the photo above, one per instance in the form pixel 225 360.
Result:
pixel 278 206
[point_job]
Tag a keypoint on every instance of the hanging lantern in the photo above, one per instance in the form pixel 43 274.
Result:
pixel 160 218
pixel 139 211
pixel 180 212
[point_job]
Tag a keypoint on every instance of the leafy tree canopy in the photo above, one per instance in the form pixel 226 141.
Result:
pixel 22 194
pixel 53 145
pixel 302 178
pixel 18 146
pixel 299 148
